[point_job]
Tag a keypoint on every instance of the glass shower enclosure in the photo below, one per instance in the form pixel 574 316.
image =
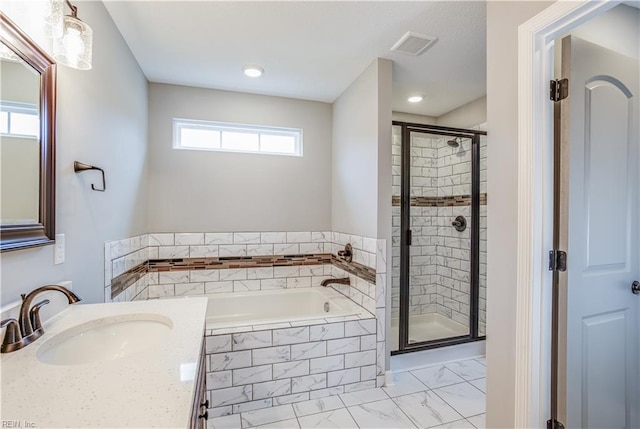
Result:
pixel 439 236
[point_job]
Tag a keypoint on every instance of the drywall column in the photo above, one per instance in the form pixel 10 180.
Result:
pixel 385 85
pixel 354 157
pixel 361 162
pixel 503 19
pixel 102 120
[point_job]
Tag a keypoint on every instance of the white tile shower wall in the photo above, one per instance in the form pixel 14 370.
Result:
pixel 482 278
pixel 454 167
pixel 453 265
pixel 423 262
pixel 440 255
pixel 260 368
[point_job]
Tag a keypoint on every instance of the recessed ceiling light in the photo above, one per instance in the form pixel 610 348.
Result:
pixel 253 71
pixel 415 99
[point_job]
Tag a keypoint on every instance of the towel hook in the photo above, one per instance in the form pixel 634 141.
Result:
pixel 79 167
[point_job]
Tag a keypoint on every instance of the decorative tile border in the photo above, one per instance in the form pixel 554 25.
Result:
pixel 454 201
pixel 120 283
pixel 157 265
pixel 124 280
pixel 261 249
pixel 365 273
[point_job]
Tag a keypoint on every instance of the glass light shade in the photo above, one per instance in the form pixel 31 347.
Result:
pixel 40 19
pixel 74 48
pixel 53 18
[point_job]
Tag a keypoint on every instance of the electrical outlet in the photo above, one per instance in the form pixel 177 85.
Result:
pixel 59 250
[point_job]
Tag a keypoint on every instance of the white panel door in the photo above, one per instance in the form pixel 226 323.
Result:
pixel 601 198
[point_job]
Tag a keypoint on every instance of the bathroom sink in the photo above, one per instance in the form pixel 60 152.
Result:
pixel 105 339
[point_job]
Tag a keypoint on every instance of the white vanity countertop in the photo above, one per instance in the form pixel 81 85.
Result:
pixel 152 388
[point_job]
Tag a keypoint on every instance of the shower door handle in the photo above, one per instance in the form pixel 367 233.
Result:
pixel 409 238
pixel 635 287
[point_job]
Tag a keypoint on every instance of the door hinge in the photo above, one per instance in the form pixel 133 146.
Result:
pixel 409 237
pixel 557 260
pixel 554 424
pixel 559 89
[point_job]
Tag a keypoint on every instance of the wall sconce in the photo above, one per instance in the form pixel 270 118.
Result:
pixel 74 48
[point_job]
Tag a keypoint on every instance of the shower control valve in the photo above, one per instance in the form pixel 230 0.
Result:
pixel 347 253
pixel 460 223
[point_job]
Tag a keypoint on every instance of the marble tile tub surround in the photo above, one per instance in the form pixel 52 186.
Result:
pixel 275 261
pixel 439 397
pixel 322 335
pixel 197 282
pixel 264 366
pixel 368 294
pixel 124 256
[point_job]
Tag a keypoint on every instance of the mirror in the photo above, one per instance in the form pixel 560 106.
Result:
pixel 27 132
pixel 19 141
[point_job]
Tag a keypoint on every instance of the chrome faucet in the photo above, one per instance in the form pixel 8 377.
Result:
pixel 28 328
pixel 344 281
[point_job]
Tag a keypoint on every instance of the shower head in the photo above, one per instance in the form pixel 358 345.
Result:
pixel 454 142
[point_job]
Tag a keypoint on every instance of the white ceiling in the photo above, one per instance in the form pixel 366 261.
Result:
pixel 310 50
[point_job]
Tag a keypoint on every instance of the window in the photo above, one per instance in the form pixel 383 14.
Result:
pixel 219 136
pixel 19 120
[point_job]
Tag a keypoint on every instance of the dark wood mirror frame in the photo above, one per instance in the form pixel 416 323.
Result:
pixel 19 236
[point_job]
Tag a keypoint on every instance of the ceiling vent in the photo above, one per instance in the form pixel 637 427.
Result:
pixel 413 43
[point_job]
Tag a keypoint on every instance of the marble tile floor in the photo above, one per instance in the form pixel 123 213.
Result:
pixel 448 396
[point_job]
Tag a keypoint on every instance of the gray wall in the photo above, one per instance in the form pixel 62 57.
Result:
pixel 466 116
pixel 197 191
pixel 617 29
pixel 356 128
pixel 414 119
pixel 503 19
pixel 102 120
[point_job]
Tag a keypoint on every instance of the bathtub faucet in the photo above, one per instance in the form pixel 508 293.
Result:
pixel 344 281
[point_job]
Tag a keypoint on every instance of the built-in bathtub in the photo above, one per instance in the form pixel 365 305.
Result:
pixel 268 348
pixel 287 305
